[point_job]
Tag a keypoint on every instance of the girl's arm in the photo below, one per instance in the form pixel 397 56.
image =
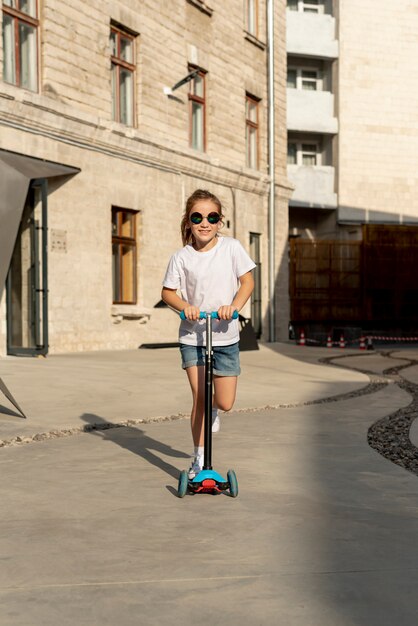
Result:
pixel 244 292
pixel 170 297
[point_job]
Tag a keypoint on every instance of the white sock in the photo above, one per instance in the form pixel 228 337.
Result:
pixel 199 451
pixel 214 413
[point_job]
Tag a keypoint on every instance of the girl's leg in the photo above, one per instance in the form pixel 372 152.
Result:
pixel 196 376
pixel 225 392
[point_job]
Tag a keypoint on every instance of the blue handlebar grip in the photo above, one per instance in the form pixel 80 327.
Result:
pixel 214 315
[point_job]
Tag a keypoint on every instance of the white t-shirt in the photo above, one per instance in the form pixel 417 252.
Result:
pixel 208 280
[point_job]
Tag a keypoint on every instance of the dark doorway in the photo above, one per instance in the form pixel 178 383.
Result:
pixel 255 254
pixel 27 289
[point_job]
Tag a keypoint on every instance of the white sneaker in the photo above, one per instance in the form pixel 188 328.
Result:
pixel 216 421
pixel 196 467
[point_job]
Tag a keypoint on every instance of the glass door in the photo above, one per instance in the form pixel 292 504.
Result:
pixel 27 292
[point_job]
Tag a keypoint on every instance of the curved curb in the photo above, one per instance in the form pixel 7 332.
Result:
pixel 389 436
pixel 17 440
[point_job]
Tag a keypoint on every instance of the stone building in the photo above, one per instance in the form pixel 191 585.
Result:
pixel 102 141
pixel 352 93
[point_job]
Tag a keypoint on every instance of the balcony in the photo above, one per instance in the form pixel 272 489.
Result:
pixel 311 111
pixel 311 34
pixel 314 186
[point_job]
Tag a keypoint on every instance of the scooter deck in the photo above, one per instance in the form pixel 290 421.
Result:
pixel 208 481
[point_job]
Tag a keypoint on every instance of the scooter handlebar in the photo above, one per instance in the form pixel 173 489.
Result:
pixel 214 314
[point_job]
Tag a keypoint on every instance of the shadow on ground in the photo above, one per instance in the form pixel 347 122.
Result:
pixel 6 411
pixel 136 441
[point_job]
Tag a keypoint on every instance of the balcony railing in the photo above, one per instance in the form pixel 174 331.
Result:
pixel 311 34
pixel 311 111
pixel 314 186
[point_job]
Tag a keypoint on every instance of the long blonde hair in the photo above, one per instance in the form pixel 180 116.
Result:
pixel 199 194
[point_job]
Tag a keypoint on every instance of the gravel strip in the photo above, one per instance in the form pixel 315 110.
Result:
pixel 86 428
pixel 389 436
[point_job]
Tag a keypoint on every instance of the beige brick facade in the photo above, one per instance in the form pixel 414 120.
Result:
pixel 362 109
pixel 378 103
pixel 149 168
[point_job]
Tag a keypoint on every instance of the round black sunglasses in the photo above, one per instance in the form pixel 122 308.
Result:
pixel 197 218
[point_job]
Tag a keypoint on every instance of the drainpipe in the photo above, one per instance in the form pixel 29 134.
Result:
pixel 271 170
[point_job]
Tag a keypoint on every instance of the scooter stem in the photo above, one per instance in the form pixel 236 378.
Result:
pixel 207 458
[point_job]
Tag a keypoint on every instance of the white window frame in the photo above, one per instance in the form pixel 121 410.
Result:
pixel 251 17
pixel 123 95
pixel 300 151
pixel 252 132
pixel 197 110
pixel 20 54
pixel 309 6
pixel 300 78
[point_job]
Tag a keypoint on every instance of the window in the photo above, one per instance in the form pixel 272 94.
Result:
pixel 291 78
pixel 309 154
pixel 252 17
pixel 20 43
pixel 251 126
pixel 306 6
pixel 123 256
pixel 197 106
pixel 123 74
pixel 304 152
pixel 307 79
pixel 311 6
pixel 292 149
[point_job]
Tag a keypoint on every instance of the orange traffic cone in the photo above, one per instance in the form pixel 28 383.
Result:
pixel 342 342
pixel 302 340
pixel 329 341
pixel 362 343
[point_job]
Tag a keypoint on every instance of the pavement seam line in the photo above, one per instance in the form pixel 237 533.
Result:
pixel 154 581
pixel 129 582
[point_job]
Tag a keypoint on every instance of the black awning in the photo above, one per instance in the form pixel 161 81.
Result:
pixel 16 172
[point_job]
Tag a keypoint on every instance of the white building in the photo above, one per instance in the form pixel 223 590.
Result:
pixel 352 93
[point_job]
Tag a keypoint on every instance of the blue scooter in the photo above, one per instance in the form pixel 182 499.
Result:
pixel 207 480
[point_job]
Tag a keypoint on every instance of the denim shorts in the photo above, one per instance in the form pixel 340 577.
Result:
pixel 225 358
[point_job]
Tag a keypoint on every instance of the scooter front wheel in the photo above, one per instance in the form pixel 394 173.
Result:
pixel 183 484
pixel 233 483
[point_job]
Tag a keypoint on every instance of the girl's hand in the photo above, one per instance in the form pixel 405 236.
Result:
pixel 192 313
pixel 226 312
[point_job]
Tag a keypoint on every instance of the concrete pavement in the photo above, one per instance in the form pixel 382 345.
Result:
pixel 58 391
pixel 323 532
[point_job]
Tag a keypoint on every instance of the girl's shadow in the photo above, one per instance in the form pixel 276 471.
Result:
pixel 135 440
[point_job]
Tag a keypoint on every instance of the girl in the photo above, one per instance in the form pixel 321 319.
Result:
pixel 213 273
